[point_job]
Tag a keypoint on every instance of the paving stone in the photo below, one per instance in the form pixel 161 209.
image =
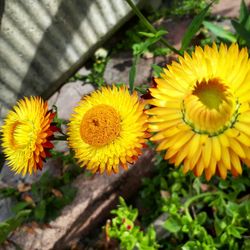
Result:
pixel 5 208
pixel 69 95
pixel 95 197
pixel 228 8
pixel 118 67
pixel 10 178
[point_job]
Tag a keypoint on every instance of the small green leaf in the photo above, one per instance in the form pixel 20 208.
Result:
pixel 201 218
pixel 220 32
pixel 132 73
pixel 172 225
pixel 193 28
pixel 157 70
pixel 232 209
pixel 40 210
pixel 236 231
pixel 242 31
pixel 147 34
pixel 20 206
pixel 160 33
pixel 247 24
pixel 244 13
pixel 190 245
pixel 223 238
pixel 223 184
pixel 197 185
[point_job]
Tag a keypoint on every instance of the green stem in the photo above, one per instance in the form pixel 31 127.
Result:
pixel 194 198
pixel 60 138
pixel 150 27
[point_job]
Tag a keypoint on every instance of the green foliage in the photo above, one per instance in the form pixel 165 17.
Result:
pixel 130 235
pixel 220 32
pixel 241 26
pixel 193 28
pixel 212 216
pixel 200 216
pixel 141 48
pixel 95 77
pixel 49 195
pixel 41 202
pixel 11 224
pixel 186 7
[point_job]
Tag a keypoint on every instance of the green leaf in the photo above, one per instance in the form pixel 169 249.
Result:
pixel 147 34
pixel 220 32
pixel 172 225
pixel 193 28
pixel 232 209
pixel 20 206
pixel 219 226
pixel 201 217
pixel 197 185
pixel 242 31
pixel 247 24
pixel 244 14
pixel 236 231
pixel 132 73
pixel 223 184
pixel 223 238
pixel 40 211
pixel 8 192
pixel 190 245
pixel 157 70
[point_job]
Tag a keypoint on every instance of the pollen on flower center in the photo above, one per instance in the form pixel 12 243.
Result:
pixel 100 125
pixel 23 134
pixel 211 93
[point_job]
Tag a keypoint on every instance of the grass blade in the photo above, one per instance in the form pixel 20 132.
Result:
pixel 193 28
pixel 220 32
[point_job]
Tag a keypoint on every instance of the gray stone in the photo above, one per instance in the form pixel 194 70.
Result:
pixel 228 8
pixel 69 95
pixel 10 178
pixel 118 67
pixel 158 224
pixel 5 209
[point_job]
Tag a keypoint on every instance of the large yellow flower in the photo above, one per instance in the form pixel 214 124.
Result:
pixel 108 128
pixel 202 113
pixel 26 133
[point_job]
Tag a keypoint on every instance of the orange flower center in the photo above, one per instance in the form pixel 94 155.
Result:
pixel 210 107
pixel 100 125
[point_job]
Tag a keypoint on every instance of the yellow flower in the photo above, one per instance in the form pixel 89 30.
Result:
pixel 202 113
pixel 108 128
pixel 26 133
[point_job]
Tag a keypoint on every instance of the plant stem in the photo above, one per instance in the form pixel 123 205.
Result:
pixel 194 198
pixel 60 138
pixel 150 27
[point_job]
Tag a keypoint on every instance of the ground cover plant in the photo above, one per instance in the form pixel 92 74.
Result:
pixel 195 116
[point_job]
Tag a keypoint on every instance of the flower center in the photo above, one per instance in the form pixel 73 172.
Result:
pixel 23 134
pixel 211 93
pixel 100 125
pixel 210 107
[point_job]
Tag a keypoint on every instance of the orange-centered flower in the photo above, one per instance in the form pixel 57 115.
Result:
pixel 26 135
pixel 108 129
pixel 202 114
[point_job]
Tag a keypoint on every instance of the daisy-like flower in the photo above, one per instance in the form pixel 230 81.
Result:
pixel 202 114
pixel 26 135
pixel 108 129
